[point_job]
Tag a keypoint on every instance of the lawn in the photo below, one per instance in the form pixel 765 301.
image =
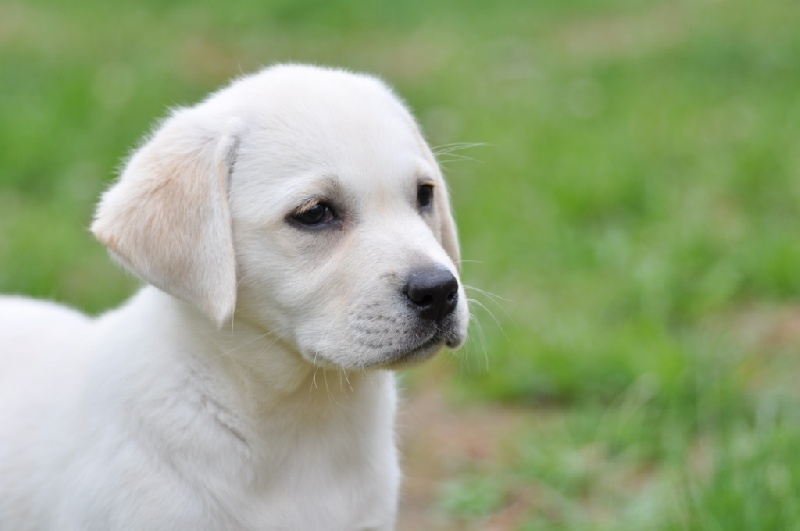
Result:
pixel 626 178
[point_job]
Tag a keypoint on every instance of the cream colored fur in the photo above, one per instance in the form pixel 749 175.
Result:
pixel 249 386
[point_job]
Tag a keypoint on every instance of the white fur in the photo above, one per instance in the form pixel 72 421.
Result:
pixel 250 388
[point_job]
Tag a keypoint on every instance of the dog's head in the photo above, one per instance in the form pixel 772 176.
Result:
pixel 303 200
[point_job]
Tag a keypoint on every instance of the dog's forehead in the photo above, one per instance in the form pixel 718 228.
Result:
pixel 312 128
pixel 340 117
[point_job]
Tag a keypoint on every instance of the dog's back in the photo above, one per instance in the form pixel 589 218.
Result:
pixel 35 335
pixel 41 351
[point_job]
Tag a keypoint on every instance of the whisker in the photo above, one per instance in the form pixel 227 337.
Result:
pixel 227 352
pixel 314 375
pixel 456 158
pixel 491 314
pixel 447 153
pixel 494 297
pixel 457 146
pixel 343 372
pixel 259 354
pixel 481 339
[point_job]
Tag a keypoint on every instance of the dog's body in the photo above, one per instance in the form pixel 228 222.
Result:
pixel 298 231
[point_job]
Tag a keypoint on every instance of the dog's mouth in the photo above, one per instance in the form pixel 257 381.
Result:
pixel 413 346
pixel 417 354
pixel 420 352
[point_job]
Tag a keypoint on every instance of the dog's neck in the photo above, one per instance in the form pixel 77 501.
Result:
pixel 261 370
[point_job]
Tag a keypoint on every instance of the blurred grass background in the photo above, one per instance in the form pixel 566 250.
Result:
pixel 630 223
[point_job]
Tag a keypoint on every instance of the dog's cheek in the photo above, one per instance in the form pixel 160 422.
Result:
pixel 288 293
pixel 259 270
pixel 323 321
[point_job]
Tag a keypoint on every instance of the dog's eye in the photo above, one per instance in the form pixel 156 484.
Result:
pixel 424 196
pixel 318 214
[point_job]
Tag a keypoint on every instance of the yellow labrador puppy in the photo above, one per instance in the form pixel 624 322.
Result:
pixel 296 235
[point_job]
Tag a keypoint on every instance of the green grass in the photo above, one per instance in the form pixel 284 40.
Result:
pixel 632 215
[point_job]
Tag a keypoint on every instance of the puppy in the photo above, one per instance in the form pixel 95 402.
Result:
pixel 296 236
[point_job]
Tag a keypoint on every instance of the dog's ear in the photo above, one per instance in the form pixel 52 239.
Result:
pixel 167 219
pixel 447 226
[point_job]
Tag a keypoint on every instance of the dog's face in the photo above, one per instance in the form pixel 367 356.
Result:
pixel 305 201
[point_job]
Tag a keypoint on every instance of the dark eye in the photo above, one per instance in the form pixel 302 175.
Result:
pixel 424 196
pixel 317 214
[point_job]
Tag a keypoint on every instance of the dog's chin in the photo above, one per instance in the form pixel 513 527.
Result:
pixel 419 353
pixel 402 359
pixel 413 357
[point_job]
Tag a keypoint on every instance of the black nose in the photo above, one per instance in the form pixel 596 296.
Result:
pixel 434 292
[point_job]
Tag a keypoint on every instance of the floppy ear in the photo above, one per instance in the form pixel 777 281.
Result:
pixel 447 226
pixel 167 219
